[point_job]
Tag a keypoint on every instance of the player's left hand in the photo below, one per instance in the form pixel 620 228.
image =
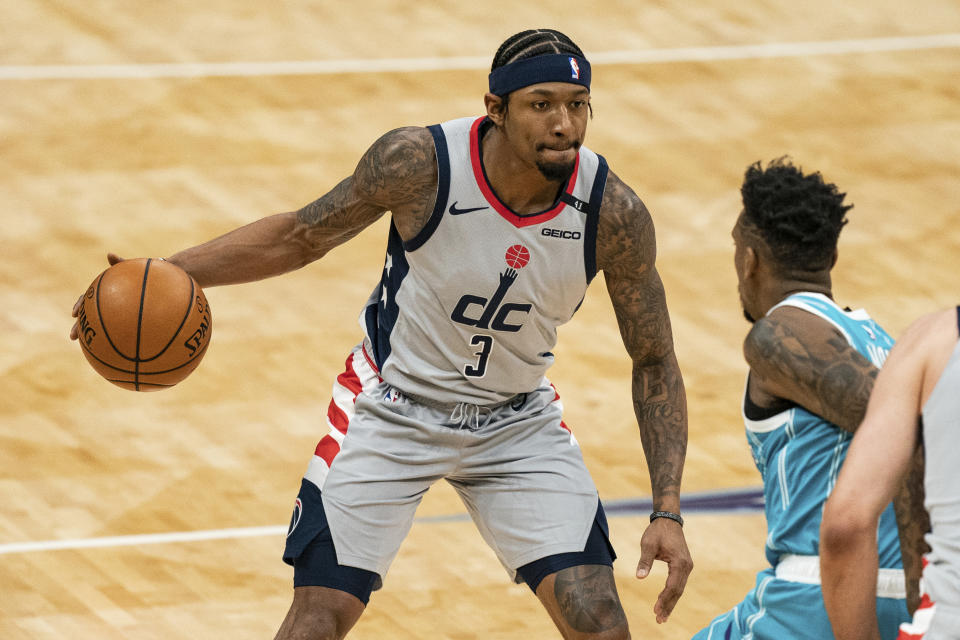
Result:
pixel 112 259
pixel 664 540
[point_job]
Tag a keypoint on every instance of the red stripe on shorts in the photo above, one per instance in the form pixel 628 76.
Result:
pixel 556 396
pixel 349 378
pixel 337 417
pixel 327 449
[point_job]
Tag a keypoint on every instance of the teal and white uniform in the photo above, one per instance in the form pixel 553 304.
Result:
pixel 799 455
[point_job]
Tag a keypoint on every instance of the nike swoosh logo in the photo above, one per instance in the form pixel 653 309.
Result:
pixel 454 211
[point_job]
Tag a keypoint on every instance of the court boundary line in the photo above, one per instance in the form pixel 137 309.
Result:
pixel 411 65
pixel 729 501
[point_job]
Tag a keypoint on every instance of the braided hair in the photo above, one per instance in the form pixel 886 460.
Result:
pixel 799 216
pixel 531 43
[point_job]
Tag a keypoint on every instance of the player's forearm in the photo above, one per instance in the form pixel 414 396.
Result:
pixel 265 248
pixel 848 568
pixel 913 522
pixel 660 403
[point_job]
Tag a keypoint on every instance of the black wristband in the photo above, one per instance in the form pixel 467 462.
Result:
pixel 667 514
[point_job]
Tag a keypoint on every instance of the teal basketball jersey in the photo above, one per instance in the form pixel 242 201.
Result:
pixel 799 454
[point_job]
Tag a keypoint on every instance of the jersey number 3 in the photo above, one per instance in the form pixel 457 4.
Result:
pixel 479 368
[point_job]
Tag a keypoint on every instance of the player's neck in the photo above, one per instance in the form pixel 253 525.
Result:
pixel 517 183
pixel 783 288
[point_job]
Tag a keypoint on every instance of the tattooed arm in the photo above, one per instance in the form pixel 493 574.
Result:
pixel 798 357
pixel 913 523
pixel 397 173
pixel 626 252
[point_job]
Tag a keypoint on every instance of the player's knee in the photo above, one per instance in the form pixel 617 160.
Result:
pixel 309 625
pixel 600 619
pixel 320 614
pixel 309 631
pixel 586 601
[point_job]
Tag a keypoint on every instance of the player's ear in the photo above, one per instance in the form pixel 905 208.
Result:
pixel 496 108
pixel 750 262
pixel 833 260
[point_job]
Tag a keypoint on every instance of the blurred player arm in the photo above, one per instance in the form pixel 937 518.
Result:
pixel 880 455
pixel 796 356
pixel 398 173
pixel 626 252
pixel 913 523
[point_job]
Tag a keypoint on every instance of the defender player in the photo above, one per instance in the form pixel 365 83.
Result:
pixel 914 408
pixel 498 225
pixel 812 366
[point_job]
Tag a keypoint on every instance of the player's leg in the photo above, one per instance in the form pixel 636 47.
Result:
pixel 583 603
pixel 320 613
pixel 351 517
pixel 328 598
pixel 578 589
pixel 773 610
pixel 528 490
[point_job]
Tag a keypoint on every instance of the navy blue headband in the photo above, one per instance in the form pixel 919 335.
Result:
pixel 558 67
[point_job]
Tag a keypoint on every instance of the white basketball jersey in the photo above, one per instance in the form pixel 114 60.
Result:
pixel 468 310
pixel 941 439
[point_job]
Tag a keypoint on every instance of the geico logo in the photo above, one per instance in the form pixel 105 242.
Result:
pixel 560 233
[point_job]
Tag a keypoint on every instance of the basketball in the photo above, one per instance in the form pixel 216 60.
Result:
pixel 144 324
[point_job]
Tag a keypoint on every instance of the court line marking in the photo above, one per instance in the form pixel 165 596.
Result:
pixel 401 65
pixel 142 539
pixel 739 500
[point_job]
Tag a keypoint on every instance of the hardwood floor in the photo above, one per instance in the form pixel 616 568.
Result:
pixel 145 160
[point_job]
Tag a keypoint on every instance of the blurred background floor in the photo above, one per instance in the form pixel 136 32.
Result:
pixel 144 160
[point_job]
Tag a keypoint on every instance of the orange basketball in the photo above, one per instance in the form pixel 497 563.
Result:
pixel 144 324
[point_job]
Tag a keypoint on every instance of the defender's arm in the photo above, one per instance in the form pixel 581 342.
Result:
pixel 799 357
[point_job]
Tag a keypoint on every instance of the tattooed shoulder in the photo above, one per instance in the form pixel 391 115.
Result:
pixel 399 173
pixel 762 342
pixel 625 236
pixel 811 364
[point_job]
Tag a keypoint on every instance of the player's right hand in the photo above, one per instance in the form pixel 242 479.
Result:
pixel 113 259
pixel 663 540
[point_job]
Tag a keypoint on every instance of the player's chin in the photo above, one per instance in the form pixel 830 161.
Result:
pixel 559 171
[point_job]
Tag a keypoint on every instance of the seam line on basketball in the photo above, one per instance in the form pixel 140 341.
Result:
pixel 106 333
pixel 143 294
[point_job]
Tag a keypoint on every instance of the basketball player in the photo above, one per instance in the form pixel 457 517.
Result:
pixel 812 365
pixel 915 405
pixel 498 225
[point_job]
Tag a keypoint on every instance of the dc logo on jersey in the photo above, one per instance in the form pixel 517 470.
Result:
pixel 295 518
pixel 492 313
pixel 575 69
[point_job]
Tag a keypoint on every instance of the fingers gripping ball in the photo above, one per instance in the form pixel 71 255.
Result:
pixel 144 324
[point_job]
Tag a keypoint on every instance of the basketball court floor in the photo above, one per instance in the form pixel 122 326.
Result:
pixel 142 128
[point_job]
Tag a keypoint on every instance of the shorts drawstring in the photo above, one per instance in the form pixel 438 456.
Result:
pixel 467 416
pixel 463 415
